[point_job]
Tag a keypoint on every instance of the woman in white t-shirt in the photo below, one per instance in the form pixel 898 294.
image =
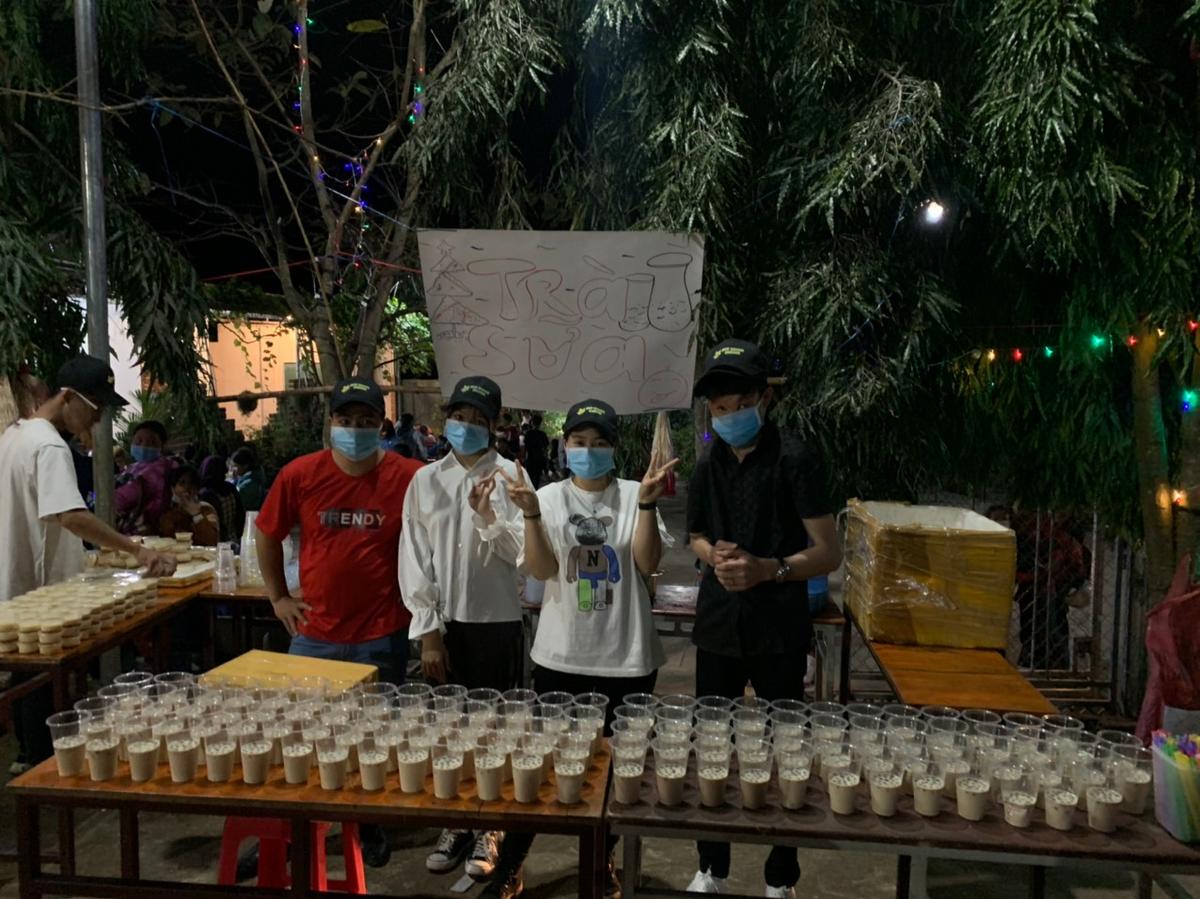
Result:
pixel 595 540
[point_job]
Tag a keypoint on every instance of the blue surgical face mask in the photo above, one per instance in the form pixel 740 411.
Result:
pixel 466 438
pixel 739 428
pixel 590 462
pixel 144 453
pixel 355 444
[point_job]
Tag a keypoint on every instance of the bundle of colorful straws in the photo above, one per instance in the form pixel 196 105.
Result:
pixel 1177 784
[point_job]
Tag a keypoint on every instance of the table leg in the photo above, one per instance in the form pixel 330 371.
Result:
pixel 1037 882
pixel 29 847
pixel 131 866
pixel 844 674
pixel 209 652
pixel 302 857
pixel 829 664
pixel 66 840
pixel 631 876
pixel 162 647
pixel 591 863
pixel 1143 885
pixel 60 686
pixel 903 876
pixel 918 881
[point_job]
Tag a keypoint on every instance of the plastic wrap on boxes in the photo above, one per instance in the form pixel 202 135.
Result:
pixel 929 575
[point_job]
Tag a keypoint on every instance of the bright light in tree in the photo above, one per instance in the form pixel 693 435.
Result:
pixel 934 212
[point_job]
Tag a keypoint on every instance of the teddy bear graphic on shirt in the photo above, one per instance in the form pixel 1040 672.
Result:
pixel 593 563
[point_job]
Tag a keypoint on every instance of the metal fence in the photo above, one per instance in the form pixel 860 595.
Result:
pixel 1070 630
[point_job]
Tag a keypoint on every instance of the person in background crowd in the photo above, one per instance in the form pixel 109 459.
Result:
pixel 427 440
pixel 595 540
pixel 120 459
pixel 511 433
pixel 755 500
pixel 505 449
pixel 45 520
pixel 387 435
pixel 248 479
pixel 536 446
pixel 144 493
pixel 1051 566
pixel 407 442
pixel 458 576
pixel 188 513
pixel 222 496
pixel 349 504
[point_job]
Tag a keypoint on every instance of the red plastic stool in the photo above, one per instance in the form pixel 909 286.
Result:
pixel 274 835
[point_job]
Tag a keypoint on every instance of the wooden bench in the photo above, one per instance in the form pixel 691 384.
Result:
pixel 958 678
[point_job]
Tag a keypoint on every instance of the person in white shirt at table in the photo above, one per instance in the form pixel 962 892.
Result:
pixel 595 539
pixel 458 576
pixel 44 519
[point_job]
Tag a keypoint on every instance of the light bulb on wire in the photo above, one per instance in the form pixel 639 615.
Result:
pixel 933 212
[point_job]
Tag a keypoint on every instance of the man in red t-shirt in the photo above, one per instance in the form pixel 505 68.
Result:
pixel 349 504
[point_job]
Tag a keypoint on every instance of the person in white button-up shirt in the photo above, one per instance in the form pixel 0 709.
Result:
pixel 458 576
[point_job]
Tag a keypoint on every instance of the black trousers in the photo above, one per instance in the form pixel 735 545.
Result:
pixel 486 654
pixel 516 846
pixel 773 677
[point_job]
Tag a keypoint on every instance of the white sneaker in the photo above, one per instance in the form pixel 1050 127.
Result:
pixel 781 892
pixel 482 863
pixel 704 882
pixel 451 846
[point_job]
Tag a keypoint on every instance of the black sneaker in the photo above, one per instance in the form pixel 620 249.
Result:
pixel 247 864
pixel 376 848
pixel 505 885
pixel 451 847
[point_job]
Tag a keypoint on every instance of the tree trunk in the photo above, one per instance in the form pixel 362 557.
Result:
pixel 1155 502
pixel 1150 447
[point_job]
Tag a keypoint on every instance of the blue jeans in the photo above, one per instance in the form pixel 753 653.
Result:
pixel 389 654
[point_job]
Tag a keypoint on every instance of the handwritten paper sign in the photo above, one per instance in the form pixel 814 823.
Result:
pixel 559 316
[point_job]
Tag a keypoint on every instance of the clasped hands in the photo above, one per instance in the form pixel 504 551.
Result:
pixel 737 570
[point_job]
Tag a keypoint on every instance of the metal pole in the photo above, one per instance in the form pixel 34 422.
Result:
pixel 91 167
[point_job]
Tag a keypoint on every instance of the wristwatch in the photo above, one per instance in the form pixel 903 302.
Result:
pixel 782 572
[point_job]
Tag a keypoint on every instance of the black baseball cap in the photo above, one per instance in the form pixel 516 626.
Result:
pixel 732 359
pixel 477 391
pixel 357 390
pixel 594 414
pixel 91 377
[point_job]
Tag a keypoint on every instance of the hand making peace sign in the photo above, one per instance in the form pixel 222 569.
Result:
pixel 655 481
pixel 480 498
pixel 522 494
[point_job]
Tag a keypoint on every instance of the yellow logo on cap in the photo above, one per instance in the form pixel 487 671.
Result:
pixel 729 351
pixel 112 379
pixel 346 388
pixel 475 388
pixel 594 410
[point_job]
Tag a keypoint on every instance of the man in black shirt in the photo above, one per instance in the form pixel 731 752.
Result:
pixel 754 501
pixel 536 444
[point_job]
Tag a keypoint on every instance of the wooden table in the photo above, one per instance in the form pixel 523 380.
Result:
pixel 959 678
pixel 298 804
pixel 244 604
pixel 1139 845
pixel 61 668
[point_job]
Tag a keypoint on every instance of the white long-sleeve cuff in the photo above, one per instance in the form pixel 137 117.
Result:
pixel 425 621
pixel 488 532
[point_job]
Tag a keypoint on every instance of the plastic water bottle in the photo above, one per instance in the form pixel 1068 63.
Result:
pixel 818 594
pixel 251 574
pixel 225 577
